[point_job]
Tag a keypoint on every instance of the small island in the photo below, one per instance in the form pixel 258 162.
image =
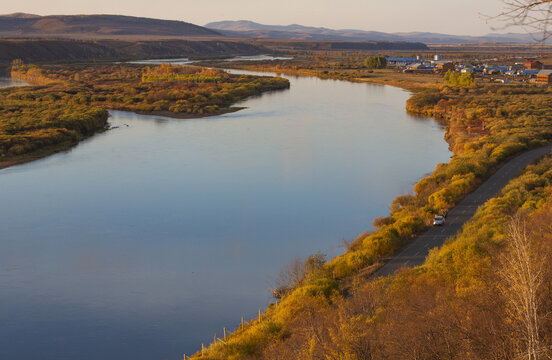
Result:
pixel 66 104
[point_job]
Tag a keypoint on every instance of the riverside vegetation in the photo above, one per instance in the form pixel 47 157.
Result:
pixel 486 294
pixel 67 103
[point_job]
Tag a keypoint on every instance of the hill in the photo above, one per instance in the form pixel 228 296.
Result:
pixel 28 25
pixel 56 50
pixel 329 45
pixel 299 32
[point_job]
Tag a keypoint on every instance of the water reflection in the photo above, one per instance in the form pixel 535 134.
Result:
pixel 8 82
pixel 186 61
pixel 144 240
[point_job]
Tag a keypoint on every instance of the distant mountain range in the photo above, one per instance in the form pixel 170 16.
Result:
pixel 29 25
pixel 37 38
pixel 22 25
pixel 244 28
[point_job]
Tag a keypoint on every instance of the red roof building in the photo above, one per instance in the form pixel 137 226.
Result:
pixel 533 65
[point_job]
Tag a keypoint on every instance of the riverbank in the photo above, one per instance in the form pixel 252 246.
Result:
pixel 183 115
pixel 516 118
pixel 51 150
pixel 44 152
pixel 349 72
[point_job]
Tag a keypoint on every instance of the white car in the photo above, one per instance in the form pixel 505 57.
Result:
pixel 439 220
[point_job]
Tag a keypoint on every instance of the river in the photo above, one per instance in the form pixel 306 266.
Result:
pixel 7 82
pixel 141 242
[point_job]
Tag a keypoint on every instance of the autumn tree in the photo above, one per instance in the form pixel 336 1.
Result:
pixel 375 62
pixel 522 274
pixel 296 271
pixel 16 63
pixel 454 78
pixel 533 15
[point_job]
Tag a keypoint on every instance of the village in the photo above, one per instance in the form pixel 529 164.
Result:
pixel 520 71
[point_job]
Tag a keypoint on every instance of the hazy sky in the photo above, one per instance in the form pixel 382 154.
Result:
pixel 445 16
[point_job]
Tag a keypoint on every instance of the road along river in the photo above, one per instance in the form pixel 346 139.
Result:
pixel 143 241
pixel 416 253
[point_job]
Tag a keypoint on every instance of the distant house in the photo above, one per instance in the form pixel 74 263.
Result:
pixel 419 69
pixel 401 62
pixel 533 65
pixel 491 71
pixel 474 69
pixel 544 77
pixel 445 66
pixel 529 72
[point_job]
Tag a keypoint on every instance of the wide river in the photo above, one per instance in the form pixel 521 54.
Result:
pixel 143 241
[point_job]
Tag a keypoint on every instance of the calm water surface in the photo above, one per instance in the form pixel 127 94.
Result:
pixel 186 61
pixel 143 241
pixel 7 82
